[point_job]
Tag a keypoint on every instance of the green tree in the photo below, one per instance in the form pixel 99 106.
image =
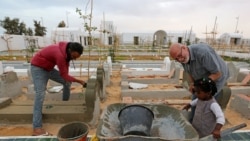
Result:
pixel 61 24
pixel 22 28
pixel 188 42
pixel 13 26
pixel 39 29
pixel 6 38
pixel 88 27
pixel 29 32
pixel 31 45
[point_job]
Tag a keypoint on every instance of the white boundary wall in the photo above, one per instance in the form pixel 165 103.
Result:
pixel 17 42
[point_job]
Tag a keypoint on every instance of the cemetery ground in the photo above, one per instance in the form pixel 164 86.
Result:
pixel 113 95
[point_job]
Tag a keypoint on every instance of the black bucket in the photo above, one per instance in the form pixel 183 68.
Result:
pixel 136 120
pixel 75 131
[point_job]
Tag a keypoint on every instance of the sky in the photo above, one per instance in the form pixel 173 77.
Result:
pixel 136 16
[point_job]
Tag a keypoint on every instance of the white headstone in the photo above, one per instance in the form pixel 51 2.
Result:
pixel 166 64
pixel 109 61
pixel 1 67
pixel 9 68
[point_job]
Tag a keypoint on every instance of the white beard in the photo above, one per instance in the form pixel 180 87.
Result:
pixel 186 60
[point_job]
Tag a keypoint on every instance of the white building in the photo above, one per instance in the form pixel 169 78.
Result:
pixel 68 34
pixel 107 32
pixel 231 38
pixel 136 38
pixel 158 38
pixel 22 42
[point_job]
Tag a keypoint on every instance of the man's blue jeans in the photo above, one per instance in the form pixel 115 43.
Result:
pixel 40 79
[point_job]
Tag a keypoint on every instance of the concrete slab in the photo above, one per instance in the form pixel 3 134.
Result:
pixel 241 103
pixel 240 90
pixel 53 111
pixel 156 94
pixel 5 101
pixel 155 81
pixel 51 102
pixel 58 96
pixel 233 71
pixel 241 76
pixel 29 138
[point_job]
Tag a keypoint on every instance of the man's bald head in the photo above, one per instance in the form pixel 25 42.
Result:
pixel 174 49
pixel 179 52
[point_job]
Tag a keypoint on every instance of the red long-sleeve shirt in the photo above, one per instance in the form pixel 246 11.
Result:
pixel 53 55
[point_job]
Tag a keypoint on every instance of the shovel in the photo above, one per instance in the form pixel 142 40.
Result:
pixel 224 132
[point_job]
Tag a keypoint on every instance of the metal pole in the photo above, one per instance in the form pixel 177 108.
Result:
pixel 42 21
pixel 90 26
pixel 67 13
pixel 237 18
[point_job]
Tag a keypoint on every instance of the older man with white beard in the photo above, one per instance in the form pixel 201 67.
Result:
pixel 201 60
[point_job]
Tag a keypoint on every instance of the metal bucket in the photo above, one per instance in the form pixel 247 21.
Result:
pixel 136 120
pixel 75 131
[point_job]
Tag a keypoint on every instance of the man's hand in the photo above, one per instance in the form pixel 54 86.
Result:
pixel 81 82
pixel 84 85
pixel 191 88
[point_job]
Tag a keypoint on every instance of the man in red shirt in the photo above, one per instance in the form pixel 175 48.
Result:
pixel 42 69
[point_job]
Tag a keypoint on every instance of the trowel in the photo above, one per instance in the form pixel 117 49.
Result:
pixel 84 87
pixel 224 132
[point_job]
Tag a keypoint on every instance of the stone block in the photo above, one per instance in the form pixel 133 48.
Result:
pixel 124 85
pixel 241 76
pixel 10 86
pixel 9 77
pixel 233 71
pixel 241 104
pixel 127 99
pixel 5 102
